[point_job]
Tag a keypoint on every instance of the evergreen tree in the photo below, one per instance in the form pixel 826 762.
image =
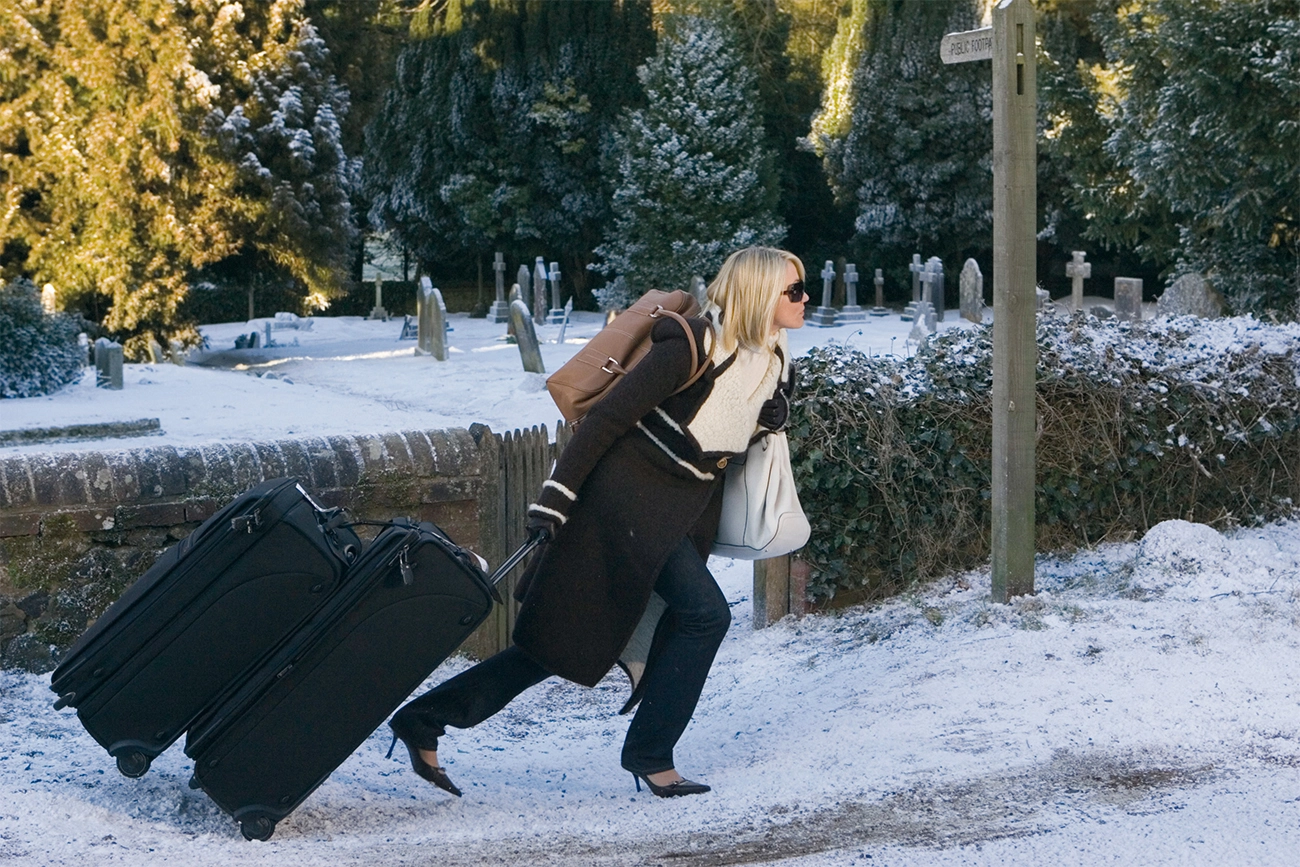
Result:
pixel 492 135
pixel 909 141
pixel 1203 98
pixel 695 180
pixel 140 141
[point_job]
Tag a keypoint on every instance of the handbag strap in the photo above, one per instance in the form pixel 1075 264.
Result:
pixel 697 367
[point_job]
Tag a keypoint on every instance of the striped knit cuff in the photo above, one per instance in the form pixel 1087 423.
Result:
pixel 553 502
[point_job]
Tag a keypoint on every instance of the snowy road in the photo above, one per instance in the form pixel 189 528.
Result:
pixel 1142 709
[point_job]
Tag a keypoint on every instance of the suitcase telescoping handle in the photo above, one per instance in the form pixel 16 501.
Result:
pixel 513 560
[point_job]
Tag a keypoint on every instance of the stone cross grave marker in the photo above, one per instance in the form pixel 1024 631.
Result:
pixel 1128 298
pixel 539 291
pixel 49 304
pixel 379 312
pixel 1009 44
pixel 916 268
pixel 1078 271
pixel 108 364
pixel 824 315
pixel 851 312
pixel 526 337
pixel 1190 295
pixel 500 310
pixel 879 309
pixel 556 314
pixel 972 292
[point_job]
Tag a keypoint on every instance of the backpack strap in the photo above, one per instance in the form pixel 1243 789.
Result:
pixel 697 366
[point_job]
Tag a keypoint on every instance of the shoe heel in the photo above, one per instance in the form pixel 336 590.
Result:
pixel 390 746
pixel 637 780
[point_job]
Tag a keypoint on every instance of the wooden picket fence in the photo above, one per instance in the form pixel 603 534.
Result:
pixel 526 457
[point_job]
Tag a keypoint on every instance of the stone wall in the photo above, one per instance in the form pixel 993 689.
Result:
pixel 76 529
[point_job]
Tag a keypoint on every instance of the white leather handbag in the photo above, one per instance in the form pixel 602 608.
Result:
pixel 761 515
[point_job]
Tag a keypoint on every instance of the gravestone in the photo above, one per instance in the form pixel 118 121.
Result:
pixel 500 310
pixel 515 295
pixel 539 291
pixel 564 325
pixel 851 312
pixel 176 352
pixel 526 337
pixel 700 291
pixel 158 356
pixel 432 314
pixel 1078 271
pixel 268 340
pixel 824 315
pixel 87 354
pixel 1042 299
pixel 1190 295
pixel 49 304
pixel 972 292
pixel 879 309
pixel 411 326
pixel 556 314
pixel 524 283
pixel 108 364
pixel 379 312
pixel 934 267
pixel 917 269
pixel 925 322
pixel 1128 298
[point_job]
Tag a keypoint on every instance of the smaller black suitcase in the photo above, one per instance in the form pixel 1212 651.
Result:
pixel 210 608
pixel 408 603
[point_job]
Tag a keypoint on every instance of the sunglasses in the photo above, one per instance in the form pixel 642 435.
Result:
pixel 795 292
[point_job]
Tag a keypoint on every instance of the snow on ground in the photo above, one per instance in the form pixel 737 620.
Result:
pixel 350 375
pixel 1143 708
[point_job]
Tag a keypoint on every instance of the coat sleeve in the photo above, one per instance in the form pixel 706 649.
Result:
pixel 661 372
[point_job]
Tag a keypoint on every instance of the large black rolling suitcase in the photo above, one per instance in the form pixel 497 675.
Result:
pixel 211 607
pixel 408 603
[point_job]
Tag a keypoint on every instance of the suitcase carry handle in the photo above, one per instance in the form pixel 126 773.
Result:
pixel 513 560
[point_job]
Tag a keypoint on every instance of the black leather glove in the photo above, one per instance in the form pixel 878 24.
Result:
pixel 542 527
pixel 775 412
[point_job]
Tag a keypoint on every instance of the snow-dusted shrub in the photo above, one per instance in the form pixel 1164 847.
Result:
pixel 1137 424
pixel 39 353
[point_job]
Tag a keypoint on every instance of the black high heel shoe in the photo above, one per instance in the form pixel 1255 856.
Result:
pixel 672 790
pixel 423 769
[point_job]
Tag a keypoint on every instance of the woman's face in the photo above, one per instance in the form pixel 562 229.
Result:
pixel 789 314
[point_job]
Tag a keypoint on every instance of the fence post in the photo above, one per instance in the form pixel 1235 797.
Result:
pixel 780 588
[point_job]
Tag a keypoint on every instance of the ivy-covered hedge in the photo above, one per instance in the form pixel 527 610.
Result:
pixel 1137 423
pixel 39 352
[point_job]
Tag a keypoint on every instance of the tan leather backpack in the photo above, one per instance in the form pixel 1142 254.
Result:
pixel 583 380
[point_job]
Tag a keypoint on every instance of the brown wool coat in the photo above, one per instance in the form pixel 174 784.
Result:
pixel 585 592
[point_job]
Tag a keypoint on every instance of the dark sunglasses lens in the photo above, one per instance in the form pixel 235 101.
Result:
pixel 795 292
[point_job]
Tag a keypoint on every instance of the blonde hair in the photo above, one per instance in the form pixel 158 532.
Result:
pixel 745 293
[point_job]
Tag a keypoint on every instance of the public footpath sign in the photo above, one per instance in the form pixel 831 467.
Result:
pixel 1009 43
pixel 967 46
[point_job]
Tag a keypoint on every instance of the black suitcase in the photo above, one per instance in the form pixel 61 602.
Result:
pixel 211 607
pixel 408 603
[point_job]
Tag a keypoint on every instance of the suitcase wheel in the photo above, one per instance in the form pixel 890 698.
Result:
pixel 133 763
pixel 257 827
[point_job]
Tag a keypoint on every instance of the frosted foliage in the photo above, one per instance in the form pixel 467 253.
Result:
pixel 694 183
pixel 915 160
pixel 286 139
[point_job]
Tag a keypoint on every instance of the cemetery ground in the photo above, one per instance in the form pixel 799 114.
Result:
pixel 1142 708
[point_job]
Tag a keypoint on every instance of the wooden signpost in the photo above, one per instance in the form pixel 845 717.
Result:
pixel 1009 43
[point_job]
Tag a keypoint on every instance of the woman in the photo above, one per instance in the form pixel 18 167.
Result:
pixel 628 514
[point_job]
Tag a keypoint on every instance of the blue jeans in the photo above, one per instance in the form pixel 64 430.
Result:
pixel 689 636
